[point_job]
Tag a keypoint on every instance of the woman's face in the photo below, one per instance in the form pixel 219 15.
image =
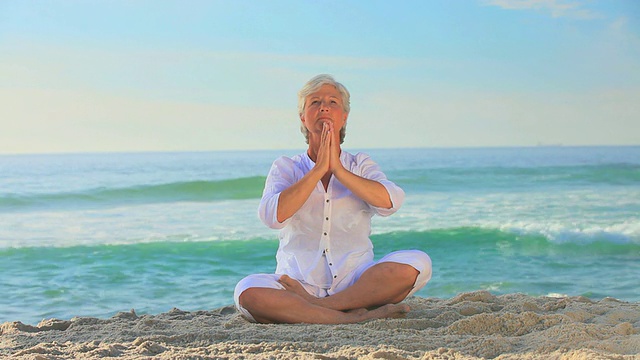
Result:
pixel 324 105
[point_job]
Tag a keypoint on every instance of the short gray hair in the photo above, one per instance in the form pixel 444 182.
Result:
pixel 314 85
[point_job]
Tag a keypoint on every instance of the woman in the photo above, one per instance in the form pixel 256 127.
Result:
pixel 322 201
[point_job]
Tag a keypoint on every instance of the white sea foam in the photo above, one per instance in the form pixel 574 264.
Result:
pixel 577 215
pixel 224 220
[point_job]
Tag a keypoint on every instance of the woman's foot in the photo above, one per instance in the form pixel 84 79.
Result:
pixel 295 287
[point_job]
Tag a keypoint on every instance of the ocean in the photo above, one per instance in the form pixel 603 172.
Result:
pixel 96 234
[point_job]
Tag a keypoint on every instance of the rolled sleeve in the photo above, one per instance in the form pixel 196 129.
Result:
pixel 369 169
pixel 281 176
pixel 396 194
pixel 268 212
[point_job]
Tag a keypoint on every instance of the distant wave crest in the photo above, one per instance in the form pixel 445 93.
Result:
pixel 472 239
pixel 451 178
pixel 198 191
pixel 462 239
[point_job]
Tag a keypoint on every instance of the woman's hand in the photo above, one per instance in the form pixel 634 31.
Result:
pixel 325 157
pixel 335 164
pixel 329 152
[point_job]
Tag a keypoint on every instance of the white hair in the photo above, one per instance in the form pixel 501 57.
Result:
pixel 314 85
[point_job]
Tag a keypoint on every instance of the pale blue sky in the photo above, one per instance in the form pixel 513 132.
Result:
pixel 81 76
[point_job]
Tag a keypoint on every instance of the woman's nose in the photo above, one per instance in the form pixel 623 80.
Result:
pixel 324 105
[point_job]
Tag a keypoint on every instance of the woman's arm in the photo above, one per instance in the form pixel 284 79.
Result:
pixel 292 198
pixel 370 191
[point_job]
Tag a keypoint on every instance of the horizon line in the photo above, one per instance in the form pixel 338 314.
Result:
pixel 108 152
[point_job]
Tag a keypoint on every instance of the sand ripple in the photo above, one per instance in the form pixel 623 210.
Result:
pixel 468 326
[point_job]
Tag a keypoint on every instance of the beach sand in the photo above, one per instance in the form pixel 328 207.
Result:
pixel 469 326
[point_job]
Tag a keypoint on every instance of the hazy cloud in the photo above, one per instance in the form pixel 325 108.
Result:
pixel 556 8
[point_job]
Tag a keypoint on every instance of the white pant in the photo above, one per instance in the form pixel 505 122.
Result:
pixel 416 258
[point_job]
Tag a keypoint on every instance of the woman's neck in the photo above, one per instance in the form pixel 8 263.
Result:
pixel 313 154
pixel 314 146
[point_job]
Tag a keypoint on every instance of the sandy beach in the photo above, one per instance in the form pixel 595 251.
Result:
pixel 469 326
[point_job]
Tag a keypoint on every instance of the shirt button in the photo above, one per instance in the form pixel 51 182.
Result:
pixel 327 218
pixel 325 234
pixel 335 276
pixel 327 200
pixel 330 264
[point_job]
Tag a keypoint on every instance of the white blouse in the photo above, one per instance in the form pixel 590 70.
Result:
pixel 328 237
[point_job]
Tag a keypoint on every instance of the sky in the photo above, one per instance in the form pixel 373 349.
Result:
pixel 121 76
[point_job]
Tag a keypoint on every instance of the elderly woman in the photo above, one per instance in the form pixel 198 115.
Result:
pixel 322 201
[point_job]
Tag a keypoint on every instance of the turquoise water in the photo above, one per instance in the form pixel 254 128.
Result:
pixel 94 234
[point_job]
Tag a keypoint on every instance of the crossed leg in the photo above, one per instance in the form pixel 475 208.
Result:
pixel 282 306
pixel 383 285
